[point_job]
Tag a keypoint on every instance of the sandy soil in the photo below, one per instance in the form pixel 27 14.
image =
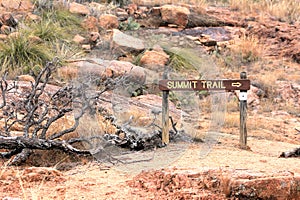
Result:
pixel 103 181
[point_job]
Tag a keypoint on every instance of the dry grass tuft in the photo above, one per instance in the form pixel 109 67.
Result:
pixel 287 10
pixel 242 5
pixel 232 120
pixel 244 51
pixel 248 48
pixel 190 3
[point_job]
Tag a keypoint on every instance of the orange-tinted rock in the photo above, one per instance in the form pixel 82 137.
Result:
pixel 20 5
pixel 79 9
pixel 108 21
pixel 154 59
pixel 33 17
pixel 3 36
pixel 8 20
pixel 132 8
pixel 175 15
pixel 90 23
pixel 79 39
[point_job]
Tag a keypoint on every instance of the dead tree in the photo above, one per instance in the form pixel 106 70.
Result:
pixel 33 110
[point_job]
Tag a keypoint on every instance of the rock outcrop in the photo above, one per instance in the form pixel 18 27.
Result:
pixel 218 184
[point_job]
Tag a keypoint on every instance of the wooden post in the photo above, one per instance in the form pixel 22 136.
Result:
pixel 165 113
pixel 243 114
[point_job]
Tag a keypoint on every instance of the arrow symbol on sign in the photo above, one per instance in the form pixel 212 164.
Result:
pixel 237 84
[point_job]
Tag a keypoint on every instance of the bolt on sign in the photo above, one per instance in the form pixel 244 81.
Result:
pixel 226 85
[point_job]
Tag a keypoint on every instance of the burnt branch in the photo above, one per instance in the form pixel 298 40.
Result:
pixel 288 154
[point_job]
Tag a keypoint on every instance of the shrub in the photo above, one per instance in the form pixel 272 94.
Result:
pixel 129 25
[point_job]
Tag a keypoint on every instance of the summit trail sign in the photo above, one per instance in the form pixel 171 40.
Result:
pixel 227 85
pixel 242 84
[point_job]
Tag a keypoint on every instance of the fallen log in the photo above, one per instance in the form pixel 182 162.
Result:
pixel 36 143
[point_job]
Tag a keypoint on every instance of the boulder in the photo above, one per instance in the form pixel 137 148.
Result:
pixel 280 185
pixel 121 14
pixel 77 8
pixel 3 36
pixel 206 40
pixel 141 108
pixel 8 20
pixel 86 47
pixel 175 15
pixel 252 96
pixel 122 43
pixel 108 21
pixel 102 69
pixel 132 8
pixel 35 39
pixel 78 39
pixel 288 92
pixel 33 17
pixel 154 59
pixel 94 38
pixel 5 29
pixel 90 23
pixel 17 5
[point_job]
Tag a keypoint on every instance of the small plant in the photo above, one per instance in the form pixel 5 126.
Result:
pixel 129 25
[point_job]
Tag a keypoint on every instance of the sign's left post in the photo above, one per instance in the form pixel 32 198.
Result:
pixel 165 112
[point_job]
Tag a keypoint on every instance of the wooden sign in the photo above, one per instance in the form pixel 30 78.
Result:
pixel 241 84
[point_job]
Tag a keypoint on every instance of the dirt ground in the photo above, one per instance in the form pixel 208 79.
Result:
pixel 179 171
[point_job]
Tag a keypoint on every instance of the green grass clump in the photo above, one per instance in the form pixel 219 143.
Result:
pixel 71 23
pixel 55 30
pixel 183 59
pixel 47 30
pixel 18 55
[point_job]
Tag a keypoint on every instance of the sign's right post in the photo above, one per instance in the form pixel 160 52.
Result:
pixel 243 114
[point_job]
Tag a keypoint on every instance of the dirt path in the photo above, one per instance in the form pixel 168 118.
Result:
pixel 100 181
